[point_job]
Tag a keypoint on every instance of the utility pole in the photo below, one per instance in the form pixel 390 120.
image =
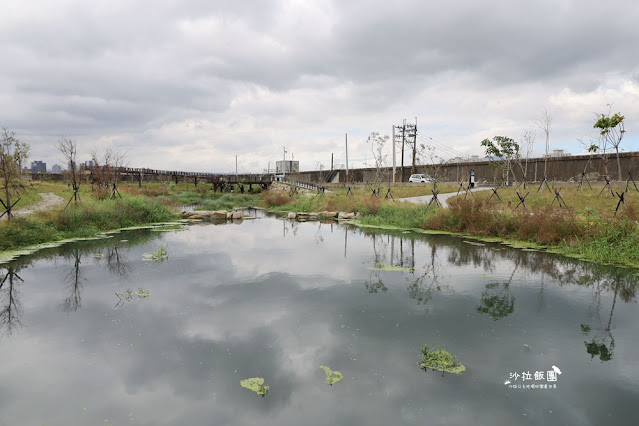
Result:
pixel 412 171
pixel 403 143
pixel 394 159
pixel 406 133
pixel 346 157
pixel 397 140
pixel 331 161
pixel 284 165
pixel 236 179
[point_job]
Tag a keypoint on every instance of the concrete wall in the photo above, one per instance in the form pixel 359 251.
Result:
pixel 557 168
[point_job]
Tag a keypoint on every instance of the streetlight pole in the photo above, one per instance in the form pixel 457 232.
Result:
pixel 284 165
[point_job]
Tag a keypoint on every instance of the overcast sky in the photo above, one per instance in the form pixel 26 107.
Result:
pixel 190 84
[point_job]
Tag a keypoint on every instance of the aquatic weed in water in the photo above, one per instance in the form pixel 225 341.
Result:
pixel 441 360
pixel 160 255
pixel 331 376
pixel 256 384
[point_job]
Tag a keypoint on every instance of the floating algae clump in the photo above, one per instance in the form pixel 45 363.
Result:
pixel 161 254
pixel 331 376
pixel 256 384
pixel 440 359
pixel 383 267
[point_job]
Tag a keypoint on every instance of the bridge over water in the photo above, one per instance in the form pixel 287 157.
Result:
pixel 133 174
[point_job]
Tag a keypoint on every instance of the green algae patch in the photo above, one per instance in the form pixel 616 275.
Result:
pixel 441 360
pixel 168 228
pixel 384 267
pixel 474 243
pixel 159 255
pixel 331 376
pixel 9 256
pixel 255 384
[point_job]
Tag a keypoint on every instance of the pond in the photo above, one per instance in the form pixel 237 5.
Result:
pixel 97 332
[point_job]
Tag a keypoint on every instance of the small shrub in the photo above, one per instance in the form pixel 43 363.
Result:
pixel 272 199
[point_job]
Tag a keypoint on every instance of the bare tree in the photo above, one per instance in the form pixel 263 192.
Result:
pixel 544 123
pixel 69 151
pixel 377 143
pixel 21 154
pixel 433 161
pixel 321 171
pixel 12 154
pixel 525 150
pixel 106 171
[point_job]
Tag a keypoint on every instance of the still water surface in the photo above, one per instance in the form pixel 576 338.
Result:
pixel 276 299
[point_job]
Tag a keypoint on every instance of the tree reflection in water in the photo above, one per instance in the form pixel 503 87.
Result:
pixel 74 280
pixel 622 284
pixel 497 300
pixel 399 252
pixel 11 306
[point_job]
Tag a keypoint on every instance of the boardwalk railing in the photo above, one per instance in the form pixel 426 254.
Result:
pixel 307 185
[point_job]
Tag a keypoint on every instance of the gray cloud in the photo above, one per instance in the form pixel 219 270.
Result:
pixel 259 77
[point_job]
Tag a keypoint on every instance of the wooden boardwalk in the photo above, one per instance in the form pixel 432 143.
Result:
pixel 218 180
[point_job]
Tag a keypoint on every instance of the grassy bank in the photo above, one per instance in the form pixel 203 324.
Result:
pixel 590 230
pixel 184 194
pixel 153 202
pixel 84 220
pixel 586 229
pixel 610 240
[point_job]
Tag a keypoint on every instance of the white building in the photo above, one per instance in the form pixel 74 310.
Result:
pixel 288 166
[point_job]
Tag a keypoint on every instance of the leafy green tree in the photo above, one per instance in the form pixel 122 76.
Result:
pixel 504 150
pixel 611 132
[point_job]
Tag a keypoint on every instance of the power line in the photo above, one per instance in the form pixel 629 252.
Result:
pixel 442 146
pixel 439 144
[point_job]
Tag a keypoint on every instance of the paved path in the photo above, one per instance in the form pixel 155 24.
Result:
pixel 49 200
pixel 425 199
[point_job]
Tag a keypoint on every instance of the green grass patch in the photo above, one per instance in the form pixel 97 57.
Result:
pixel 402 215
pixel 84 220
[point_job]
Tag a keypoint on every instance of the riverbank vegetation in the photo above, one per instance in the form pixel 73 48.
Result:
pixel 87 219
pixel 587 228
pixel 591 231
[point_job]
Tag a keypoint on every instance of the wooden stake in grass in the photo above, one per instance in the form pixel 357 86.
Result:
pixel 434 199
pixel 607 185
pixel 622 200
pixel 7 210
pixel 495 193
pixel 630 179
pixel 522 200
pixel 468 191
pixel 389 196
pixel 583 176
pixel 542 183
pixel 559 199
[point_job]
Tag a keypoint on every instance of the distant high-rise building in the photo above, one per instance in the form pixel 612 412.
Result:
pixel 38 167
pixel 56 168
